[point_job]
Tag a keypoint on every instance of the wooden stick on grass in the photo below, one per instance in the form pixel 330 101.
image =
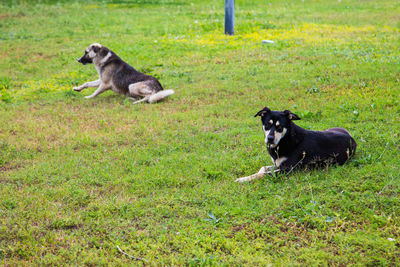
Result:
pixel 132 257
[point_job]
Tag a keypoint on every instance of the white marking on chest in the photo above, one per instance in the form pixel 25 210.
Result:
pixel 279 161
pixel 98 69
pixel 104 60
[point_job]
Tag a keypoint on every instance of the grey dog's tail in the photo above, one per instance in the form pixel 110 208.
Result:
pixel 160 95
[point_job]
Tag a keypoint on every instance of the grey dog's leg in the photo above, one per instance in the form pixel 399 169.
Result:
pixel 102 88
pixel 261 173
pixel 146 98
pixel 140 89
pixel 86 85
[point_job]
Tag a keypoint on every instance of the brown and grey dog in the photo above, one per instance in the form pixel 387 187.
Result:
pixel 120 77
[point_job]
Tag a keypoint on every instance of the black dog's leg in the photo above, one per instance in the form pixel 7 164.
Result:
pixel 294 162
pixel 261 173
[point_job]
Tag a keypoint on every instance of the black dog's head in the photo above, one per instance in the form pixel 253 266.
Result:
pixel 276 124
pixel 90 53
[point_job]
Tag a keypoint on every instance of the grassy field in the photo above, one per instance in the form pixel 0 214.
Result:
pixel 80 177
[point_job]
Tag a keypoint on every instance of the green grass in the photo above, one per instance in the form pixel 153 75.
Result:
pixel 80 177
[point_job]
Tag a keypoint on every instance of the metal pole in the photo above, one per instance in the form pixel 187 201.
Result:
pixel 229 17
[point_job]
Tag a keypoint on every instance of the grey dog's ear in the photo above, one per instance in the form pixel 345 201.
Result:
pixel 262 112
pixel 291 116
pixel 103 51
pixel 95 48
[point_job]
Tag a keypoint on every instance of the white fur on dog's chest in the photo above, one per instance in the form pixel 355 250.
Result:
pixel 98 68
pixel 279 161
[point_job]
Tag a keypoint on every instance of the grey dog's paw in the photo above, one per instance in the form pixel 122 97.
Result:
pixel 77 89
pixel 242 180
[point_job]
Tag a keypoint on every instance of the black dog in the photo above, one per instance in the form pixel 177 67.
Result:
pixel 292 147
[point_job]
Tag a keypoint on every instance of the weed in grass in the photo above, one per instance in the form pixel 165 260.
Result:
pixel 207 261
pixel 211 218
pixel 5 95
pixel 314 89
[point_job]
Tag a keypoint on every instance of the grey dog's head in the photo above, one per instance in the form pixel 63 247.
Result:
pixel 91 52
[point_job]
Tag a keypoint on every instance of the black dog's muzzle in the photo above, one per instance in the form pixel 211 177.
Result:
pixel 271 136
pixel 271 139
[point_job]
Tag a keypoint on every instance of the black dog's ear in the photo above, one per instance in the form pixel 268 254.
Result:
pixel 291 116
pixel 262 112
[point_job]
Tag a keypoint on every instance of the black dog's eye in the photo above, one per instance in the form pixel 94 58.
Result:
pixel 279 128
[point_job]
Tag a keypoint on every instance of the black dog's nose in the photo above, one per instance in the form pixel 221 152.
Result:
pixel 79 60
pixel 270 139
